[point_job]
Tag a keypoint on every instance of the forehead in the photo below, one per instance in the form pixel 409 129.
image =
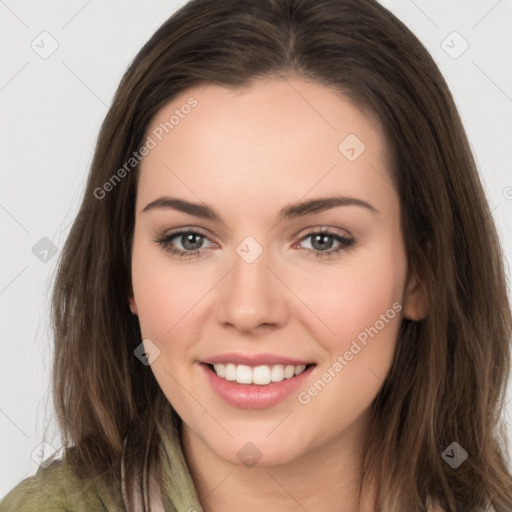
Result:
pixel 275 137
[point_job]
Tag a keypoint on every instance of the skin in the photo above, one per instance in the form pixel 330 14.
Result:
pixel 247 154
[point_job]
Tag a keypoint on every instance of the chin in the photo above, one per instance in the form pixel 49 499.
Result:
pixel 259 451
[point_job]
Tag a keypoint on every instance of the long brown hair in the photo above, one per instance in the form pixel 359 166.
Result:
pixel 448 376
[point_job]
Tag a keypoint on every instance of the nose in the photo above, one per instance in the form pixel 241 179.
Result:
pixel 251 297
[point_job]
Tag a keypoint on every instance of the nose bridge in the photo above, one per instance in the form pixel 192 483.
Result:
pixel 251 296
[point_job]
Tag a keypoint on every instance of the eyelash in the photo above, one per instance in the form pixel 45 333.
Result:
pixel 165 241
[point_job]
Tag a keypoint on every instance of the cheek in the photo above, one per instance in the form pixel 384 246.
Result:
pixel 164 291
pixel 348 299
pixel 363 308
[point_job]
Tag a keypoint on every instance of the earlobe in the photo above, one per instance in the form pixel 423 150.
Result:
pixel 133 306
pixel 415 299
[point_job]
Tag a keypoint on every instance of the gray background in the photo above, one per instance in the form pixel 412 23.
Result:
pixel 51 110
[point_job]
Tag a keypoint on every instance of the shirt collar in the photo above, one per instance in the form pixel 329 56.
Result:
pixel 179 492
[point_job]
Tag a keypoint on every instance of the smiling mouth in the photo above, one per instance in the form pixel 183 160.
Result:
pixel 261 375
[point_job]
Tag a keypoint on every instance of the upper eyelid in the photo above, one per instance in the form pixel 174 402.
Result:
pixel 328 230
pixel 184 231
pixel 306 231
pixel 180 231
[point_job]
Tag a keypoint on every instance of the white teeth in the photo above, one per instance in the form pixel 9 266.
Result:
pixel 289 371
pixel 243 374
pixel 261 375
pixel 277 373
pixel 220 370
pixel 300 369
pixel 230 371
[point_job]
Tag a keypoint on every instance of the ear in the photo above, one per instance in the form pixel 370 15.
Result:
pixel 415 299
pixel 133 306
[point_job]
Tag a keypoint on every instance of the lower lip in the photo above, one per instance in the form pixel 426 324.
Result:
pixel 254 396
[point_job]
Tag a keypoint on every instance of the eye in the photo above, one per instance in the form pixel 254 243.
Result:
pixel 323 240
pixel 190 240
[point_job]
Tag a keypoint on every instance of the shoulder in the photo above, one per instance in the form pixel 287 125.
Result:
pixel 57 489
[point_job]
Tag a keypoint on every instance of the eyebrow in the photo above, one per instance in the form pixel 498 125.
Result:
pixel 291 211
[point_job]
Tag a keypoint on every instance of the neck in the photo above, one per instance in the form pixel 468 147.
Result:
pixel 324 478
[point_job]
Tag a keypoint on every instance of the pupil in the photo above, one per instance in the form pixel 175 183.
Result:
pixel 190 238
pixel 323 242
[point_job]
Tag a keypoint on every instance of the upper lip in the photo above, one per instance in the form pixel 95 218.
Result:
pixel 255 359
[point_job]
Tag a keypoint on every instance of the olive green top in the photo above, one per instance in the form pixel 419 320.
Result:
pixel 56 489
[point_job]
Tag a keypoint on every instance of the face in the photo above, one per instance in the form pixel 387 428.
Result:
pixel 239 261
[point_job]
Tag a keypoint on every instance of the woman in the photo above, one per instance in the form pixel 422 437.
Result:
pixel 284 289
